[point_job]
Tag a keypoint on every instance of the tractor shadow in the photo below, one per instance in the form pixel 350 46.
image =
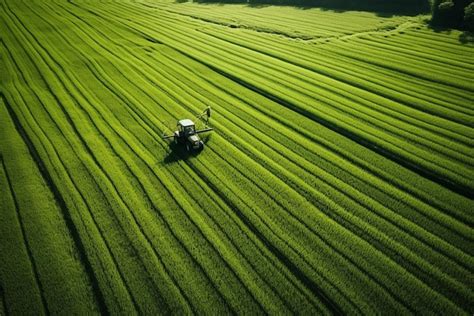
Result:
pixel 178 152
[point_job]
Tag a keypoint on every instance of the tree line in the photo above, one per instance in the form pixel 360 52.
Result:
pixel 445 13
pixel 453 13
pixel 379 6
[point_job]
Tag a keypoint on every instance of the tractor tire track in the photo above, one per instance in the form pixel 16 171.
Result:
pixel 135 155
pixel 84 143
pixel 337 151
pixel 323 65
pixel 398 158
pixel 18 213
pixel 445 181
pixel 105 137
pixel 82 197
pixel 310 172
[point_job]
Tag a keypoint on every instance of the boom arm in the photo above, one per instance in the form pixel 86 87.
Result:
pixel 204 130
pixel 206 114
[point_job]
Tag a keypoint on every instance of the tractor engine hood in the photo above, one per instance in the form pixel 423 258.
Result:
pixel 194 138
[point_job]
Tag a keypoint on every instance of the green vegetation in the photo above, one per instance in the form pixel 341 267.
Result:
pixel 409 7
pixel 339 177
pixel 453 13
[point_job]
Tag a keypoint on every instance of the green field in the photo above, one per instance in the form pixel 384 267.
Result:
pixel 339 178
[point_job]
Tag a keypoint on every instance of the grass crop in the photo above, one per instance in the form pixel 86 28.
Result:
pixel 338 178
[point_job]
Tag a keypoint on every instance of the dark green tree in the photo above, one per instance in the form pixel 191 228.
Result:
pixel 469 17
pixel 452 13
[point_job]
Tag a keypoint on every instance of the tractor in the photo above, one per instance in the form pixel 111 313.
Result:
pixel 187 134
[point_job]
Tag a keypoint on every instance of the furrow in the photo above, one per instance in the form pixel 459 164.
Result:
pixel 83 200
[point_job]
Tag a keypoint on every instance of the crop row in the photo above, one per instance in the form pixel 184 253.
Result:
pixel 320 65
pixel 414 154
pixel 327 144
pixel 190 283
pixel 289 21
pixel 373 78
pixel 395 109
pixel 276 237
pixel 96 200
pixel 36 244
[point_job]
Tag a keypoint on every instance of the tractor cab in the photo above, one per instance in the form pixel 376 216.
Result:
pixel 186 127
pixel 187 134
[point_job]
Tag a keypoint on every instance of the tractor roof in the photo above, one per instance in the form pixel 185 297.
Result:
pixel 186 122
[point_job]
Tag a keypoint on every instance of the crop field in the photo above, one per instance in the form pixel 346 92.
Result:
pixel 339 178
